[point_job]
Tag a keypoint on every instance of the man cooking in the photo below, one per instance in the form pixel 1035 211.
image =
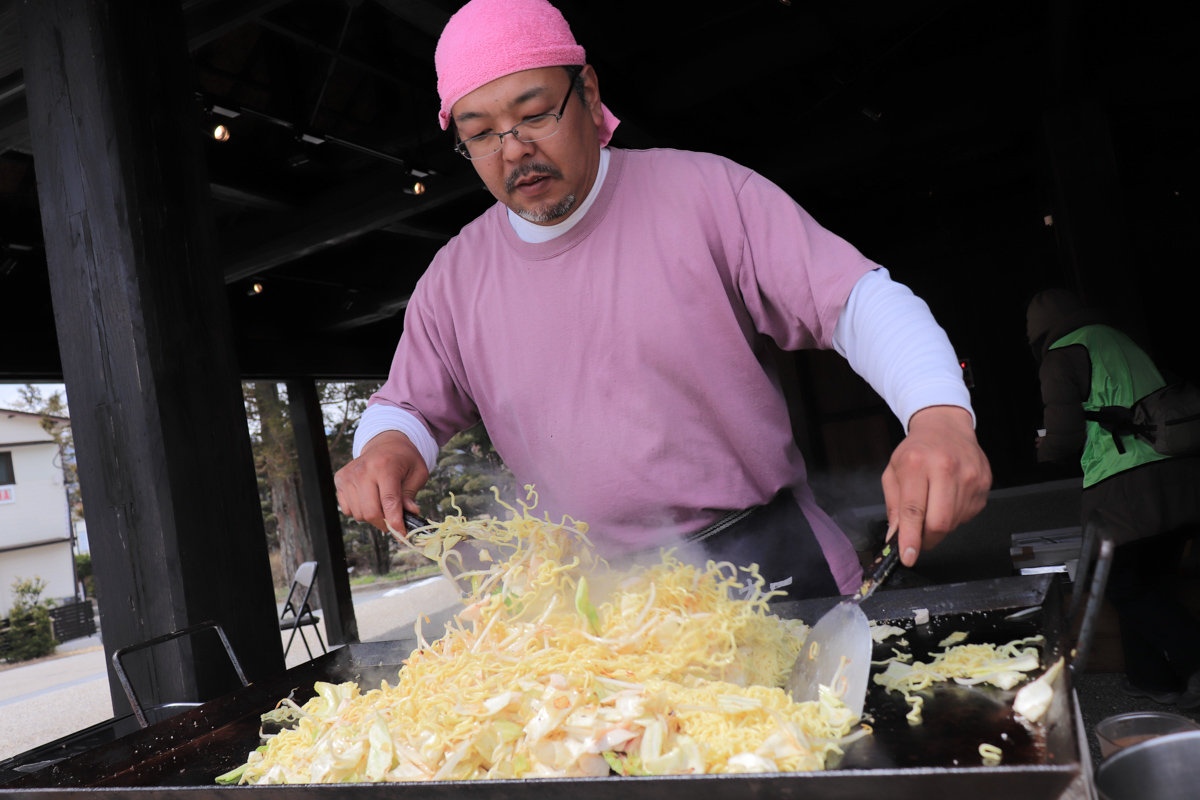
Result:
pixel 607 318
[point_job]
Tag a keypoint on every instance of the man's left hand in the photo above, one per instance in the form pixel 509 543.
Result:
pixel 937 479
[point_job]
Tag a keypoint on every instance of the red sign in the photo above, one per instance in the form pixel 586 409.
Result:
pixel 6 494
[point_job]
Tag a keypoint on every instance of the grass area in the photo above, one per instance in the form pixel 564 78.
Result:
pixel 423 571
pixel 411 574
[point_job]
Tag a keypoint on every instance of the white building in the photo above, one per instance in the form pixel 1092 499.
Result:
pixel 35 518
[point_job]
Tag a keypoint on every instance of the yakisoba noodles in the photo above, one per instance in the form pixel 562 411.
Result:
pixel 669 674
pixel 1003 666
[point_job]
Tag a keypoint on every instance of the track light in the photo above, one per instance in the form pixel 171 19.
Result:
pixel 256 288
pixel 416 188
pixel 220 133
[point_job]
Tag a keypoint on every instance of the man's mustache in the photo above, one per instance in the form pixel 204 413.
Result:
pixel 526 170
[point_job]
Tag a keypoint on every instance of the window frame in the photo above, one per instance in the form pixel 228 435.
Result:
pixel 7 470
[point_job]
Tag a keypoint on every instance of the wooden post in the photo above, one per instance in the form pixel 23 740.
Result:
pixel 145 337
pixel 1085 186
pixel 320 506
pixel 1087 214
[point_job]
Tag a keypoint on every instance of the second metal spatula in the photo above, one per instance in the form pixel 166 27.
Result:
pixel 843 633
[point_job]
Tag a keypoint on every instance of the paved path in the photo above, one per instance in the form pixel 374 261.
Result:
pixel 49 699
pixel 45 701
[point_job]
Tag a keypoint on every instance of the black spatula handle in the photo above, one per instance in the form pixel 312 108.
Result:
pixel 412 522
pixel 880 568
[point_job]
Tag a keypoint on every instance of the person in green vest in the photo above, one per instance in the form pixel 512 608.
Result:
pixel 1145 501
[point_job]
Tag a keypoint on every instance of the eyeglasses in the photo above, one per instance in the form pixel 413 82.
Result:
pixel 534 129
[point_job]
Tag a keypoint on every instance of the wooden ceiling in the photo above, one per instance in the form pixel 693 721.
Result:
pixel 854 106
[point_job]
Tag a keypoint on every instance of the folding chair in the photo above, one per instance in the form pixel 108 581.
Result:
pixel 301 615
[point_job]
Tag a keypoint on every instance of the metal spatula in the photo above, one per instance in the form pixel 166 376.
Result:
pixel 843 633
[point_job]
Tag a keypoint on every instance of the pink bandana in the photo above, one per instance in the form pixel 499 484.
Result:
pixel 488 39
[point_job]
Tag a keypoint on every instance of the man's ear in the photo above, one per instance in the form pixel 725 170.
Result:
pixel 591 94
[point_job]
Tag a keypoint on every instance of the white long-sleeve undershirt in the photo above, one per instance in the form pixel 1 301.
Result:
pixel 891 339
pixel 885 331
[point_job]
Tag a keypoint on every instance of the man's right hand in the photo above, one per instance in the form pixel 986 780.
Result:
pixel 379 485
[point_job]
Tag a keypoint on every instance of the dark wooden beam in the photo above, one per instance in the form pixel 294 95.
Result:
pixel 337 217
pixel 262 359
pixel 14 121
pixel 372 313
pixel 12 85
pixel 206 22
pixel 400 229
pixel 321 509
pixel 420 14
pixel 37 361
pixel 357 63
pixel 145 336
pixel 249 198
pixel 10 37
pixel 210 21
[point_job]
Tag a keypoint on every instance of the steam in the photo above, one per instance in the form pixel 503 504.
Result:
pixel 855 502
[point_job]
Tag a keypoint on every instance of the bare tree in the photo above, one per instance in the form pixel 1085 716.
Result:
pixel 31 400
pixel 275 460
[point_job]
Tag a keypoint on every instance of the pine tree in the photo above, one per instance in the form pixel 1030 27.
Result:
pixel 343 404
pixel 30 634
pixel 468 467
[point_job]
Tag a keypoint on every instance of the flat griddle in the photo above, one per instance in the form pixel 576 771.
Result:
pixel 180 756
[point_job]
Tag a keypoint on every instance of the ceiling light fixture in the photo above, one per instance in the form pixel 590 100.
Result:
pixel 256 288
pixel 416 188
pixel 220 133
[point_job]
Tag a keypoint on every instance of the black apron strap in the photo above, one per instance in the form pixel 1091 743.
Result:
pixel 778 538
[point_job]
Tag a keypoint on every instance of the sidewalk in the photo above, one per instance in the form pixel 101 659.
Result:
pixel 51 698
pixel 45 701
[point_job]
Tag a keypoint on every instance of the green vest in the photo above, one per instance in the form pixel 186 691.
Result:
pixel 1122 374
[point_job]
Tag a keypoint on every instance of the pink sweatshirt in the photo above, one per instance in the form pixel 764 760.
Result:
pixel 619 368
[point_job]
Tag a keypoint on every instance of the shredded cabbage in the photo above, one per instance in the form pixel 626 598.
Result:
pixel 649 671
pixel 1033 700
pixel 953 639
pixel 880 631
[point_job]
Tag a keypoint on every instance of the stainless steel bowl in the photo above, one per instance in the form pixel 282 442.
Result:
pixel 1126 730
pixel 1166 768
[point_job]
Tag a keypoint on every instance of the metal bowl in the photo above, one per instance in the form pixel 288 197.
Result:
pixel 1166 768
pixel 1126 730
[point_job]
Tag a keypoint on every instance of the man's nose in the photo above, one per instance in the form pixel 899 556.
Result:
pixel 518 147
